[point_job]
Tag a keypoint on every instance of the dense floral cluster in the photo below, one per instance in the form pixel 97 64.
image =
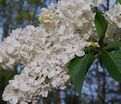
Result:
pixel 113 16
pixel 46 50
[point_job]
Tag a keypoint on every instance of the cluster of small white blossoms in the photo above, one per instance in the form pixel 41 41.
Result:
pixel 113 16
pixel 46 50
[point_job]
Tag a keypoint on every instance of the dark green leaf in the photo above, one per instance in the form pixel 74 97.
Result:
pixel 101 25
pixel 119 1
pixel 89 49
pixel 113 46
pixel 112 62
pixel 78 68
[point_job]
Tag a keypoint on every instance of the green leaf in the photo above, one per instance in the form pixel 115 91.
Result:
pixel 113 46
pixel 112 62
pixel 101 25
pixel 119 1
pixel 89 49
pixel 78 68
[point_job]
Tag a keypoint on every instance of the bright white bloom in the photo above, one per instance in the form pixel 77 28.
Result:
pixel 45 56
pixel 114 15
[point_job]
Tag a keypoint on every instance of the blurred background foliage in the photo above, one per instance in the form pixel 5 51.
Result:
pixel 19 13
pixel 98 87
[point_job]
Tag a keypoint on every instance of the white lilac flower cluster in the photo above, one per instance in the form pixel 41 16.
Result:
pixel 46 50
pixel 113 16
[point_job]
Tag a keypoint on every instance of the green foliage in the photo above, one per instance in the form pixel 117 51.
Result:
pixel 5 76
pixel 113 46
pixel 2 2
pixel 101 25
pixel 19 13
pixel 112 62
pixel 119 1
pixel 24 16
pixel 78 68
pixel 36 2
pixel 89 49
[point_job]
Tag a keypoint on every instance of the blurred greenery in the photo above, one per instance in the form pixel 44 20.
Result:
pixel 5 76
pixel 18 13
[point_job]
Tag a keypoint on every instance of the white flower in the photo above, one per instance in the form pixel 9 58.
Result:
pixel 24 87
pixel 114 15
pixel 10 50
